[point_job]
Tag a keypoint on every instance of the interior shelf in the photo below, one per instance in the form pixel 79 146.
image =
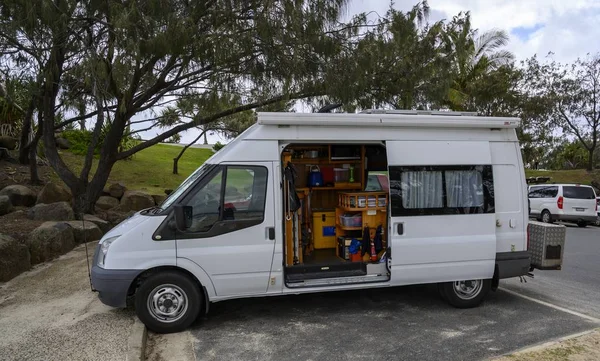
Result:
pixel 345 186
pixel 362 209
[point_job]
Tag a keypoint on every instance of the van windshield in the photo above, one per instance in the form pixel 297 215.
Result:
pixel 578 192
pixel 185 185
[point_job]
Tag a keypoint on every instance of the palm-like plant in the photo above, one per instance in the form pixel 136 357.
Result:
pixel 475 55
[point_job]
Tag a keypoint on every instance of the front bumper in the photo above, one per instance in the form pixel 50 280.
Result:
pixel 112 284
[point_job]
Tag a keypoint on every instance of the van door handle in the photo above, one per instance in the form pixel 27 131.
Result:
pixel 400 228
pixel 271 232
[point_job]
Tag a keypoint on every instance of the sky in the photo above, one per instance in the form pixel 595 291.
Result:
pixel 569 29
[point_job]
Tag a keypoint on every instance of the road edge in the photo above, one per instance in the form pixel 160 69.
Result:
pixel 136 343
pixel 545 345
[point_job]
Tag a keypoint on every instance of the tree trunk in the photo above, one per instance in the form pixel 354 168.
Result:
pixel 590 166
pixel 24 143
pixel 176 159
pixel 205 139
pixel 34 177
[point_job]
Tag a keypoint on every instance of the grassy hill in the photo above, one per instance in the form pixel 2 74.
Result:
pixel 580 176
pixel 150 170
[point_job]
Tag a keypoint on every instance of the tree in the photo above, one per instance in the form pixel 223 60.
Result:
pixel 139 55
pixel 571 93
pixel 479 65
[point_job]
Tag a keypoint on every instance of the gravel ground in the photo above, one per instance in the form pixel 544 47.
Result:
pixel 50 313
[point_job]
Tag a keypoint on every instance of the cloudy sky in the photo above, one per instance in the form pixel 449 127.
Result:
pixel 569 29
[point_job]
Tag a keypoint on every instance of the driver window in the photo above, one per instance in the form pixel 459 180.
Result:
pixel 206 204
pixel 244 198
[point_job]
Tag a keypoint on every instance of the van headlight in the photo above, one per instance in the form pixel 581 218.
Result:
pixel 104 246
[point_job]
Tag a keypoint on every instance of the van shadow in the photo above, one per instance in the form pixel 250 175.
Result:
pixel 332 304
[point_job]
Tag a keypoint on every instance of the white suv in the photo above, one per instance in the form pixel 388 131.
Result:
pixel 563 202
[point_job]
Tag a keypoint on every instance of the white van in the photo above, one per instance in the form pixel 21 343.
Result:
pixel 318 202
pixel 563 202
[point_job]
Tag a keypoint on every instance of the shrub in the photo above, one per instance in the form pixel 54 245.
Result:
pixel 218 146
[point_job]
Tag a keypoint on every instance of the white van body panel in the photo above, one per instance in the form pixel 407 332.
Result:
pixel 135 249
pixel 434 248
pixel 509 183
pixel 237 262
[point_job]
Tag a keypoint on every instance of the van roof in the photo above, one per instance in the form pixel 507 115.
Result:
pixel 393 118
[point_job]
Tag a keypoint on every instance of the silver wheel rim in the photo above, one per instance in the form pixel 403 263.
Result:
pixel 167 303
pixel 546 217
pixel 467 290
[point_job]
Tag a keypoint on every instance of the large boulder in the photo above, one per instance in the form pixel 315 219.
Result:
pixel 9 143
pixel 52 193
pixel 14 258
pixel 136 201
pixel 85 231
pixel 19 195
pixel 117 190
pixel 115 217
pixel 60 211
pixel 49 241
pixel 101 223
pixel 5 205
pixel 158 198
pixel 107 202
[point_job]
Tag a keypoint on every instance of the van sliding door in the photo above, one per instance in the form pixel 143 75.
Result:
pixel 442 222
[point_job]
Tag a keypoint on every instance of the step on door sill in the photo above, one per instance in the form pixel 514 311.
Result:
pixel 338 281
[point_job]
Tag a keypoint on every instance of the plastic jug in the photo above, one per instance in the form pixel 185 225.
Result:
pixel 315 178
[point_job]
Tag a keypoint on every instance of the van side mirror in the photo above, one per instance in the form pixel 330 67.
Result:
pixel 183 217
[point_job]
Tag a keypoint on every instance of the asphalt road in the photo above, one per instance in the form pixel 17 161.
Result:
pixel 406 323
pixel 577 285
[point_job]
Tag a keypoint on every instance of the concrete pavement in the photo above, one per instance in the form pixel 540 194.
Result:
pixel 50 313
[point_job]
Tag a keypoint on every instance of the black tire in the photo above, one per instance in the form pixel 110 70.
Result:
pixel 546 216
pixel 458 300
pixel 582 224
pixel 180 296
pixel 442 292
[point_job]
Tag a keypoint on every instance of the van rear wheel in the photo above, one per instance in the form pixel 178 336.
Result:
pixel 466 294
pixel 546 217
pixel 167 302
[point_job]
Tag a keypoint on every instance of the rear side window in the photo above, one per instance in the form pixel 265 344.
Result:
pixel 439 190
pixel 543 192
pixel 578 192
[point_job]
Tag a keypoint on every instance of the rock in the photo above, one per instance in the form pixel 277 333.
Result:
pixel 5 205
pixel 158 198
pixel 14 258
pixel 49 241
pixel 117 190
pixel 5 156
pixel 107 202
pixel 19 195
pixel 101 223
pixel 136 201
pixel 52 193
pixel 9 143
pixel 60 211
pixel 114 217
pixel 85 231
pixel 63 143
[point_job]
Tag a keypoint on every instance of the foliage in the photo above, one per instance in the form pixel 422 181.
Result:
pixel 218 146
pixel 80 141
pixel 571 95
pixel 176 138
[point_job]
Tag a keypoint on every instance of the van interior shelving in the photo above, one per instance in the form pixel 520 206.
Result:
pixel 335 224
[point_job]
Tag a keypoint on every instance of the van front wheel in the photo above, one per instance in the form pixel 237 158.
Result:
pixel 168 302
pixel 466 294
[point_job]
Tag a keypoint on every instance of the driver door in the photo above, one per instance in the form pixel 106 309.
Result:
pixel 232 228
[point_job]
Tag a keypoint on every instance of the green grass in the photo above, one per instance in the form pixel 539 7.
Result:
pixel 150 170
pixel 580 176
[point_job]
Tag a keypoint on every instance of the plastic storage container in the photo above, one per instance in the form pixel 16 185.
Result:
pixel 351 220
pixel 341 175
pixel 324 229
pixel 372 202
